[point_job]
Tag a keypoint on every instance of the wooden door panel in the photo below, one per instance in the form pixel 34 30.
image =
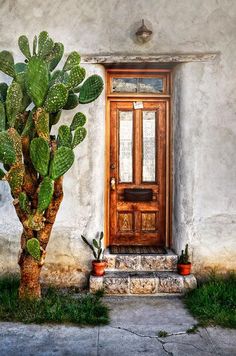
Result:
pixel 137 160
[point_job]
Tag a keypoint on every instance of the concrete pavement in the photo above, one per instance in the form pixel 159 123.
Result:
pixel 135 324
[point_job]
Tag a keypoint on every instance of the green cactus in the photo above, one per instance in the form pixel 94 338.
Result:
pixel 35 42
pixel 78 120
pixel 23 44
pixel 3 91
pixel 13 102
pixel 33 157
pixel 45 194
pixel 15 178
pixel 72 101
pixel 91 89
pixel 7 151
pixel 76 76
pixel 72 60
pixel 16 141
pixel 24 202
pixel 54 57
pixel 61 162
pixel 7 63
pixel 64 136
pixel 2 116
pixel 79 136
pixel 56 98
pixel 41 120
pixel 40 155
pixel 33 247
pixel 37 80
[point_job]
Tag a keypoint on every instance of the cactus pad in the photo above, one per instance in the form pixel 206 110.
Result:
pixel 35 42
pixel 56 98
pixel 24 202
pixel 72 102
pixel 42 40
pixel 76 76
pixel 13 102
pixel 59 76
pixel 23 44
pixel 78 120
pixel 2 117
pixel 79 136
pixel 46 48
pixel 54 117
pixel 41 120
pixel 91 89
pixel 16 140
pixel 40 155
pixel 15 178
pixel 33 247
pixel 54 57
pixel 3 91
pixel 7 63
pixel 72 60
pixel 64 136
pixel 45 194
pixel 61 162
pixel 7 151
pixel 36 79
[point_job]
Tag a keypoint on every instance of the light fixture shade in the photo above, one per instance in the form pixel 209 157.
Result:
pixel 143 34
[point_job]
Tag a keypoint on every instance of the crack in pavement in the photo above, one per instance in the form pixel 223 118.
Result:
pixel 162 342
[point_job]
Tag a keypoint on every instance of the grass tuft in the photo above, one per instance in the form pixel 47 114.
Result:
pixel 162 333
pixel 54 307
pixel 214 301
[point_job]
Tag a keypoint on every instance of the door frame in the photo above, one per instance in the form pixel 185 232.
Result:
pixel 169 144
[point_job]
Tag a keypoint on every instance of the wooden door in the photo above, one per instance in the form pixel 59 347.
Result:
pixel 137 161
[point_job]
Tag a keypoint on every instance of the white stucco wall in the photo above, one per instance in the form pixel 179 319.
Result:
pixel 204 120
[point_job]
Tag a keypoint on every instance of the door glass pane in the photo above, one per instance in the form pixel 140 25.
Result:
pixel 150 85
pixel 149 146
pixel 137 85
pixel 126 146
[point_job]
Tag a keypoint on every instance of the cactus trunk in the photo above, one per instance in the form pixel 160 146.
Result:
pixel 30 277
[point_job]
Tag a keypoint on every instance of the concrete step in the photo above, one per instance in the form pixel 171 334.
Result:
pixel 147 262
pixel 142 283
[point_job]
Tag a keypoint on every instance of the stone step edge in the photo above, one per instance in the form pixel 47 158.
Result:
pixel 122 283
pixel 151 262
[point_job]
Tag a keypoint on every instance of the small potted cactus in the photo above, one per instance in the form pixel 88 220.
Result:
pixel 184 265
pixel 98 264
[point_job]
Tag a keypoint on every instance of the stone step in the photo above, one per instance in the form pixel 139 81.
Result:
pixel 147 262
pixel 142 283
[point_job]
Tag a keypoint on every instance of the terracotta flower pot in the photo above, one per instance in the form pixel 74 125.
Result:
pixel 98 268
pixel 184 269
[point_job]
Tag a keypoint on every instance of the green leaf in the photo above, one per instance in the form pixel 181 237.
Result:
pixel 56 98
pixel 23 44
pixel 61 162
pixel 79 136
pixel 13 102
pixel 78 120
pixel 95 243
pixel 45 194
pixel 7 63
pixel 33 247
pixel 37 80
pixel 91 89
pixel 72 61
pixel 40 155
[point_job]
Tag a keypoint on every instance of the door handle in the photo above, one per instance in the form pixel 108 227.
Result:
pixel 113 183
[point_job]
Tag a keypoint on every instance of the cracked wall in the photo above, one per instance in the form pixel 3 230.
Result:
pixel 204 124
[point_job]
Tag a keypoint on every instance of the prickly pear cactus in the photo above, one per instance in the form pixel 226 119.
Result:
pixel 33 160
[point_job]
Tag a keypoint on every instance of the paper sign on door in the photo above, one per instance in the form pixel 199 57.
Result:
pixel 138 105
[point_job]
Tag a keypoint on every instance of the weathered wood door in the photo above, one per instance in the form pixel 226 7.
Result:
pixel 137 161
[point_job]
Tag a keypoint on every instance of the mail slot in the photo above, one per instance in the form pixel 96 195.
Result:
pixel 137 194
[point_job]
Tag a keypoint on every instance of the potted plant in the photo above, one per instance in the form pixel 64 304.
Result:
pixel 98 264
pixel 33 161
pixel 184 265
